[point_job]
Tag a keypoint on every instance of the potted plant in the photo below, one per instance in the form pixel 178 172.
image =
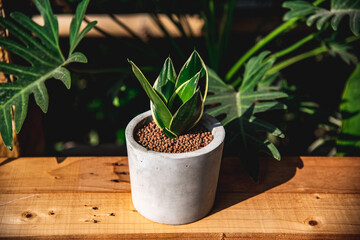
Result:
pixel 170 183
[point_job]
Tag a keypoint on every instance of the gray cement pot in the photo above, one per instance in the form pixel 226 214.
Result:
pixel 174 188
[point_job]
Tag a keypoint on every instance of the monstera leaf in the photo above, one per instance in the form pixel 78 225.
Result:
pixel 339 9
pixel 342 50
pixel 348 143
pixel 238 107
pixel 45 58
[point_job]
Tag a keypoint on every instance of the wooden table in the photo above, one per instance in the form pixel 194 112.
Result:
pixel 89 198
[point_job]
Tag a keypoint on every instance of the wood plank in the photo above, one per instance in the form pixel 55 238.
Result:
pixel 111 174
pixel 294 174
pixel 51 174
pixel 89 198
pixel 63 214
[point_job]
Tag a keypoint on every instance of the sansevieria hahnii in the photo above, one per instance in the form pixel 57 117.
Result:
pixel 177 102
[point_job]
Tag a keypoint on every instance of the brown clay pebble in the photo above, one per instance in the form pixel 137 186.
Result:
pixel 151 137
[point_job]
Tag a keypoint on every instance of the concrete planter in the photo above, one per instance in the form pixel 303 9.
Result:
pixel 174 188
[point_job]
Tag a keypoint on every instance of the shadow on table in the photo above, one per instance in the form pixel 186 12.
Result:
pixel 236 186
pixel 7 160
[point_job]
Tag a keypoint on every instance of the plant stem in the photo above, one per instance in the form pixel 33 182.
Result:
pixel 236 82
pixel 273 34
pixel 282 28
pixel 211 34
pixel 296 59
pixel 224 30
pixel 305 55
pixel 293 47
pixel 352 39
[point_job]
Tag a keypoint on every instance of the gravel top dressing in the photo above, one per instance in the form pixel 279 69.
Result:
pixel 152 138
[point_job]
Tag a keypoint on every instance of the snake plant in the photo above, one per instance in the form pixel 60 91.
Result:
pixel 42 51
pixel 177 103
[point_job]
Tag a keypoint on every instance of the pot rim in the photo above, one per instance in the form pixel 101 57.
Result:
pixel 208 122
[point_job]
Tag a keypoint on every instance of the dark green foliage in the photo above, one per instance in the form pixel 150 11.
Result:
pixel 338 10
pixel 46 59
pixel 348 143
pixel 240 107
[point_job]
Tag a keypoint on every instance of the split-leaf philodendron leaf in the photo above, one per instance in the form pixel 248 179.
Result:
pixel 348 143
pixel 239 106
pixel 177 103
pixel 338 10
pixel 45 57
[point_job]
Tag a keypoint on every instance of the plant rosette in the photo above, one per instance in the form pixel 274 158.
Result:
pixel 175 188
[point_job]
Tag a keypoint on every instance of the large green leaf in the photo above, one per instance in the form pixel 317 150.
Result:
pixel 165 83
pixel 193 66
pixel 188 115
pixel 342 50
pixel 161 113
pixel 183 93
pixel 238 107
pixel 75 34
pixel 348 142
pixel 339 9
pixel 46 62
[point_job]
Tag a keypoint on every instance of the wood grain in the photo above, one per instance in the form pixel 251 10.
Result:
pixel 89 198
pixel 111 174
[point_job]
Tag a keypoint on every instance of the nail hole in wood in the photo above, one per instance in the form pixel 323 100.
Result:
pixel 115 180
pixel 28 215
pixel 51 212
pixel 313 223
pixel 95 208
pixel 112 214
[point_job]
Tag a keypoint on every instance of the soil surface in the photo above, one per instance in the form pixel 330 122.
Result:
pixel 151 137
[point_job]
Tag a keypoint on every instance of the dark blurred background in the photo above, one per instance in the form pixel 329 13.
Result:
pixel 90 119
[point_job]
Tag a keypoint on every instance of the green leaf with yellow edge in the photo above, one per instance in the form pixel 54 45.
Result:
pixel 162 115
pixel 191 67
pixel 183 93
pixel 165 83
pixel 188 115
pixel 169 133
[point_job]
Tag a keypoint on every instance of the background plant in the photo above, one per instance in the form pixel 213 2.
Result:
pixel 45 57
pixel 246 101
